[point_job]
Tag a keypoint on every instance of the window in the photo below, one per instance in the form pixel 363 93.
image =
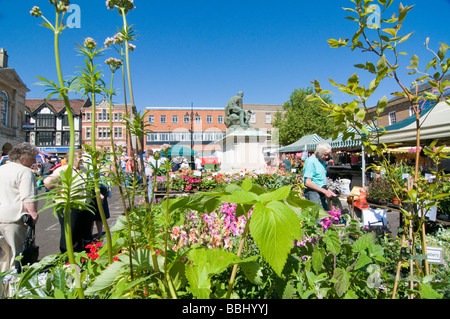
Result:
pixel 4 105
pixel 103 116
pixel 152 137
pixel 151 119
pixel 198 119
pixel 45 138
pixel 268 118
pixel 118 132
pixel 163 119
pixel 65 140
pixel 209 119
pixel 220 119
pixel 65 121
pixel 88 117
pixel 103 133
pixel 45 121
pixel 164 136
pixel 118 117
pixel 186 119
pixel 392 118
pixel 175 119
pixel 253 118
pixel 88 132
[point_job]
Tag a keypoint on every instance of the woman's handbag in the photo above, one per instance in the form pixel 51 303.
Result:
pixel 30 252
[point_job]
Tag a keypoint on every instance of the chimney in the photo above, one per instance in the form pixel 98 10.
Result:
pixel 3 58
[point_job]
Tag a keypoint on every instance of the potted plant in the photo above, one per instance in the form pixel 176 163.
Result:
pixel 380 191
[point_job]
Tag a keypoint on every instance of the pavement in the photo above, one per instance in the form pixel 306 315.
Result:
pixel 48 229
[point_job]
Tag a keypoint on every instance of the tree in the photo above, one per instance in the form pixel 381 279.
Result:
pixel 301 117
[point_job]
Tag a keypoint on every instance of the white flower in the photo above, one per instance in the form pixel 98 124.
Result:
pixel 90 43
pixel 131 47
pixel 36 11
pixel 113 63
pixel 109 41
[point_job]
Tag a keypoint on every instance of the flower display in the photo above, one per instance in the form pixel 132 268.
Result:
pixel 214 230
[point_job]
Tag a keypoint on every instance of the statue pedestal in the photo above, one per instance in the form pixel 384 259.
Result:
pixel 243 149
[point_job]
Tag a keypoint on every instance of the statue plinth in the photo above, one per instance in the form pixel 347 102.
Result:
pixel 243 149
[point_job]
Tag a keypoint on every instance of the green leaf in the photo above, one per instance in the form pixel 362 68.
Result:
pixel 363 260
pixel 427 292
pixel 247 184
pixel 106 279
pixel 240 197
pixel 414 61
pixel 331 239
pixel 343 281
pixel 253 272
pixel 278 194
pixel 317 259
pixel 202 265
pixel 363 243
pixel 274 228
pixel 382 103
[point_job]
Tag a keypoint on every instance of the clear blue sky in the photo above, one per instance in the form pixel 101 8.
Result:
pixel 205 51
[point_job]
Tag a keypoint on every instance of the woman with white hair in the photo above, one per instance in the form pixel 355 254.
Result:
pixel 315 176
pixel 17 199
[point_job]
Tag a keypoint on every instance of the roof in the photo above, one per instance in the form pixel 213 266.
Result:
pixel 434 124
pixel 56 105
pixel 301 144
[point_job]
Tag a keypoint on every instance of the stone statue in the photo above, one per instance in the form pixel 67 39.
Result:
pixel 235 115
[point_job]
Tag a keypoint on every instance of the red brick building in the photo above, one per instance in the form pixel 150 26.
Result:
pixel 102 129
pixel 173 125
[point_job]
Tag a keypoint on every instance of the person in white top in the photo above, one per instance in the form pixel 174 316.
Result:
pixel 17 199
pixel 82 218
pixel 198 163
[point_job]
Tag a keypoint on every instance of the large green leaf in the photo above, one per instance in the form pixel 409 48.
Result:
pixel 240 197
pixel 342 281
pixel 274 228
pixel 203 264
pixel 107 278
pixel 331 239
pixel 278 194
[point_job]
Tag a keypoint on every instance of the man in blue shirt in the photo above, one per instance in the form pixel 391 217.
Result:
pixel 315 176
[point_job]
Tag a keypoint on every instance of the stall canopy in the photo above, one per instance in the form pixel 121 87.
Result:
pixel 39 158
pixel 179 150
pixel 434 122
pixel 302 144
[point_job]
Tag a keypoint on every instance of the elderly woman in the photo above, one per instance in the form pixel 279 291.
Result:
pixel 315 176
pixel 17 198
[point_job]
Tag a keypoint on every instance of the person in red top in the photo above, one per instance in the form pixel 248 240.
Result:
pixel 130 165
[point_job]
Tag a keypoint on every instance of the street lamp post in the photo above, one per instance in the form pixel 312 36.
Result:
pixel 192 135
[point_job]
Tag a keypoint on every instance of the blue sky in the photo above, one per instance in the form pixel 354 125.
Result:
pixel 205 51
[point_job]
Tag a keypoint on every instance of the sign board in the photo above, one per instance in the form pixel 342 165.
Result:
pixel 434 255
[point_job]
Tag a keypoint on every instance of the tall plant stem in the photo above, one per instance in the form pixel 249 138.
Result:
pixel 235 267
pixel 166 230
pixel 116 167
pixel 67 210
pixel 138 142
pixel 97 182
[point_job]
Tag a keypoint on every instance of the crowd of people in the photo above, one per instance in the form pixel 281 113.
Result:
pixel 22 179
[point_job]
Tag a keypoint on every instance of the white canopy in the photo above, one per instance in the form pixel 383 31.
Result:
pixel 434 122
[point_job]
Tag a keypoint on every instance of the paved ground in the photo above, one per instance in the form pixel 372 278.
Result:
pixel 48 228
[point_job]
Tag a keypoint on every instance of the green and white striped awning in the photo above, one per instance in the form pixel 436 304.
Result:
pixel 302 144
